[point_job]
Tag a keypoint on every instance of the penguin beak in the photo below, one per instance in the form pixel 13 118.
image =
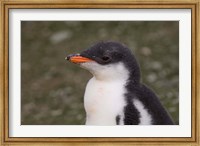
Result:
pixel 77 58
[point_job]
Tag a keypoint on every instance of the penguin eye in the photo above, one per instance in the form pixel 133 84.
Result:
pixel 106 58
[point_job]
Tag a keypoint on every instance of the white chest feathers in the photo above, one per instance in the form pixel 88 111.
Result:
pixel 103 101
pixel 104 95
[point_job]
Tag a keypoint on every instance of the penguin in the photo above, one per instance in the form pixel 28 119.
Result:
pixel 115 94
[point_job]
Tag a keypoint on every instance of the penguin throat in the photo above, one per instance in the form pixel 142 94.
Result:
pixel 111 72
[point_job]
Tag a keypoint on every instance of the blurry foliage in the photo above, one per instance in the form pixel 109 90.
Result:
pixel 53 89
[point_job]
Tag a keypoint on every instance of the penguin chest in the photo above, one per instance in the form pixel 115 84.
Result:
pixel 104 101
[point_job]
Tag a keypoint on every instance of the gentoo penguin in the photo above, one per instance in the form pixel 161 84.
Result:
pixel 115 94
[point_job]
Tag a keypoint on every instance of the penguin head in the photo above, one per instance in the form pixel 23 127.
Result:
pixel 107 60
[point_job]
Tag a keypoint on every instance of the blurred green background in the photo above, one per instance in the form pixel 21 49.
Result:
pixel 52 88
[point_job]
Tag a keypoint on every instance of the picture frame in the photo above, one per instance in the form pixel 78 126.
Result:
pixel 193 5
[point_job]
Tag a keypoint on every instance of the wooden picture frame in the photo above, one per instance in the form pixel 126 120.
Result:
pixel 193 5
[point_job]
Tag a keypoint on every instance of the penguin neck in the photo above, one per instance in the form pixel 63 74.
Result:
pixel 134 72
pixel 134 77
pixel 114 72
pixel 109 77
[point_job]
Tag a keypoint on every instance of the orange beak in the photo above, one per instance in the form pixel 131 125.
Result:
pixel 78 59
